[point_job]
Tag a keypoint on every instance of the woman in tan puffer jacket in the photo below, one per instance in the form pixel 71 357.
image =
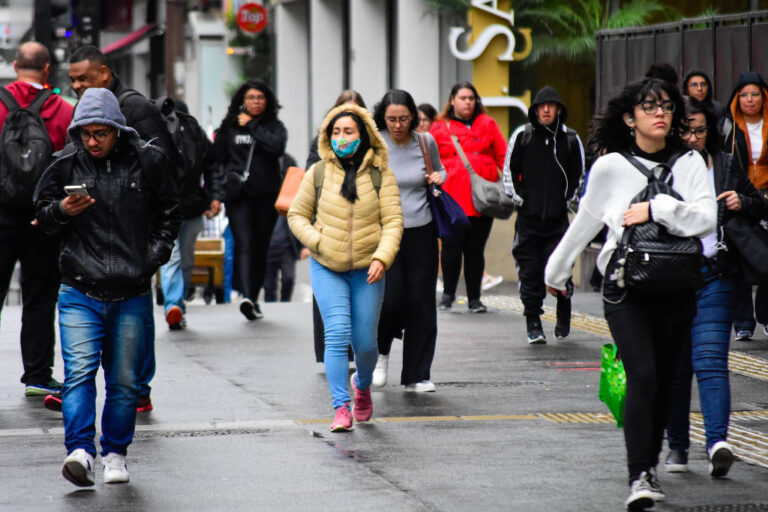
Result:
pixel 352 223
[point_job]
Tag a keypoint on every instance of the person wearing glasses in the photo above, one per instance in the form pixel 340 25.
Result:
pixel 746 133
pixel 711 331
pixel 651 329
pixel 111 200
pixel 408 311
pixel 697 84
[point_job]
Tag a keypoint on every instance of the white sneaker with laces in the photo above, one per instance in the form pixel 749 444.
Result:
pixel 380 372
pixel 425 386
pixel 115 470
pixel 78 468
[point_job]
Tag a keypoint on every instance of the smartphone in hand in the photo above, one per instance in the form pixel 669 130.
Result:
pixel 76 190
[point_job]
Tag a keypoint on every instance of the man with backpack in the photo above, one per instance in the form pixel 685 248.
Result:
pixel 195 199
pixel 543 173
pixel 34 125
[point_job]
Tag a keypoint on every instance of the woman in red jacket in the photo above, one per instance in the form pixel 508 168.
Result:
pixel 480 138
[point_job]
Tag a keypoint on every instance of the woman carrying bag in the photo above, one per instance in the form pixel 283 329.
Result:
pixel 651 328
pixel 480 139
pixel 347 213
pixel 409 297
pixel 249 145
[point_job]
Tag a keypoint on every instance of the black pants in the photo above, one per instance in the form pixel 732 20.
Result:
pixel 472 247
pixel 282 260
pixel 744 313
pixel 252 222
pixel 652 332
pixel 409 303
pixel 533 245
pixel 38 254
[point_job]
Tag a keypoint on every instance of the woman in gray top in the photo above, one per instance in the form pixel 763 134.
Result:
pixel 409 297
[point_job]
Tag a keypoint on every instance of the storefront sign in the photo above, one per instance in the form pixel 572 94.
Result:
pixel 251 18
pixel 482 41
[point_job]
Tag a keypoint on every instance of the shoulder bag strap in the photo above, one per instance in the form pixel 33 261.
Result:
pixel 425 152
pixel 247 171
pixel 318 177
pixel 461 153
pixel 39 101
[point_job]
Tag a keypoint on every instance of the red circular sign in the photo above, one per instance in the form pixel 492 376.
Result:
pixel 251 18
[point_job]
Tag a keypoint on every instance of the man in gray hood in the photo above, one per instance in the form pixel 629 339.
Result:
pixel 110 198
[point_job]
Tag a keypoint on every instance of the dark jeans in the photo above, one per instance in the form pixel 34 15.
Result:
pixel 282 260
pixel 744 314
pixel 470 246
pixel 652 331
pixel 409 303
pixel 252 221
pixel 533 245
pixel 38 254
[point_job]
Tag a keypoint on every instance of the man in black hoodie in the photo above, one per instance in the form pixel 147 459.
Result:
pixel 543 173
pixel 697 84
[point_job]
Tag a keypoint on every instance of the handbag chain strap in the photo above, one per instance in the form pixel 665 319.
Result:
pixel 459 150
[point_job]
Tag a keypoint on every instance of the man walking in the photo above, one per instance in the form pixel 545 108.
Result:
pixel 543 172
pixel 117 220
pixel 34 123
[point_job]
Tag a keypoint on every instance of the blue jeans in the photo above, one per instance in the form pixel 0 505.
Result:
pixel 710 338
pixel 111 333
pixel 175 274
pixel 350 308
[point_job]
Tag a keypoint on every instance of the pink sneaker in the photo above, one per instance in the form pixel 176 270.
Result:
pixel 343 420
pixel 363 409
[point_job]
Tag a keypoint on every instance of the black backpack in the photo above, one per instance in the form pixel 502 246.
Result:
pixel 25 149
pixel 190 142
pixel 650 257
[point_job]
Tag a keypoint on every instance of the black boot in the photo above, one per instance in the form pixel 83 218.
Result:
pixel 535 331
pixel 563 325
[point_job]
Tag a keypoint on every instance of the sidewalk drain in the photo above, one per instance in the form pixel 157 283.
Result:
pixel 200 433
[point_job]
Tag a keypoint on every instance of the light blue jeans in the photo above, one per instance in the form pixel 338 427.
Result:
pixel 111 333
pixel 176 274
pixel 350 309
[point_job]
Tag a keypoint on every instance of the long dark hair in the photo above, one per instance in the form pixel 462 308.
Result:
pixel 448 108
pixel 692 107
pixel 609 131
pixel 238 99
pixel 351 164
pixel 396 97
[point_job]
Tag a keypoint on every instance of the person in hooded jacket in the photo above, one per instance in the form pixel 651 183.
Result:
pixel 543 173
pixel 347 213
pixel 745 133
pixel 252 136
pixel 697 84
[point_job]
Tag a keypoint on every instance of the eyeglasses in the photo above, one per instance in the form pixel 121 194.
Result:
pixel 699 133
pixel 651 107
pixel 99 136
pixel 403 120
pixel 752 95
pixel 251 97
pixel 698 85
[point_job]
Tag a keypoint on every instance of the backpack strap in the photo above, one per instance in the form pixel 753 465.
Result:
pixel 39 101
pixel 127 93
pixel 8 100
pixel 527 134
pixel 319 178
pixel 376 179
pixel 666 173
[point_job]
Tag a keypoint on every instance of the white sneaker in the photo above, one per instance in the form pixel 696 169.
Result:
pixel 439 286
pixel 115 470
pixel 425 386
pixel 78 468
pixel 720 459
pixel 490 281
pixel 380 372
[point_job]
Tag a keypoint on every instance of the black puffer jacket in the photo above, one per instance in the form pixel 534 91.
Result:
pixel 231 147
pixel 112 249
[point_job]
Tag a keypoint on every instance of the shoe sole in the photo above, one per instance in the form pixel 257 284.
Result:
pixel 77 474
pixel 145 408
pixel 721 463
pixel 342 428
pixel 641 503
pixel 247 311
pixel 676 468
pixel 117 480
pixel 32 391
pixel 52 403
pixel 537 341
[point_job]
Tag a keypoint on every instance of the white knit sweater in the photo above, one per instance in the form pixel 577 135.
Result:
pixel 613 182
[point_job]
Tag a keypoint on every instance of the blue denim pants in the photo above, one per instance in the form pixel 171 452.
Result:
pixel 710 339
pixel 111 333
pixel 176 274
pixel 350 308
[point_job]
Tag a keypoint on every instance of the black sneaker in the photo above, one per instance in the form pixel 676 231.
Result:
pixel 677 461
pixel 475 306
pixel 446 302
pixel 247 309
pixel 53 387
pixel 535 331
pixel 257 311
pixel 640 494
pixel 563 326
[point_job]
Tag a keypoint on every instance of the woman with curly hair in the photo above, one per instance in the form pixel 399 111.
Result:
pixel 652 329
pixel 249 144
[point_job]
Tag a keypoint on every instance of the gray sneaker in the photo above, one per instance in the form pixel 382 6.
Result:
pixel 640 494
pixel 476 306
pixel 653 481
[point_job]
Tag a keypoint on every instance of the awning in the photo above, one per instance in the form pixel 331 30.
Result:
pixel 129 40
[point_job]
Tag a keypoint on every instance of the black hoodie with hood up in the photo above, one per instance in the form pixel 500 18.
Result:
pixel 717 107
pixel 544 167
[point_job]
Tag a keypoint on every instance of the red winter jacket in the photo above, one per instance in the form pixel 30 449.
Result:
pixel 485 148
pixel 56 113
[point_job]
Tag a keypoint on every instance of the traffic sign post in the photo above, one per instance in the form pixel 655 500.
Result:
pixel 251 18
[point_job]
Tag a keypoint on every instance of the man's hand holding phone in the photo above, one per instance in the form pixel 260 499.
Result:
pixel 76 201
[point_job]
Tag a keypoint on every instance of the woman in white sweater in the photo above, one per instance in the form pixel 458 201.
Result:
pixel 651 329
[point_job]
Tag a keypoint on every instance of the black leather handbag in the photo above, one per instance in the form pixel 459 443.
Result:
pixel 653 258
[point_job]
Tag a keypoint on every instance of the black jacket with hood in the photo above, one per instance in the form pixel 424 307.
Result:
pixel 717 107
pixel 544 166
pixel 734 132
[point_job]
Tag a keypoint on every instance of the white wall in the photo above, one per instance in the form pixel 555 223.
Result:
pixel 417 52
pixel 368 49
pixel 325 51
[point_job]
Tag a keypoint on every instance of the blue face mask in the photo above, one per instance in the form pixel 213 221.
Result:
pixel 344 149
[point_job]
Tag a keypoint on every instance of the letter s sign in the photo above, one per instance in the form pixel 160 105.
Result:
pixel 482 42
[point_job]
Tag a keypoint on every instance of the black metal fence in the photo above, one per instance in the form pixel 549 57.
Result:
pixel 723 46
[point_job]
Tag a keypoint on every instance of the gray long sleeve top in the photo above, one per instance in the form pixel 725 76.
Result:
pixel 408 165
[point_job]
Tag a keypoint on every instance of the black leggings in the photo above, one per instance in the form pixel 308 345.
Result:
pixel 652 331
pixel 472 246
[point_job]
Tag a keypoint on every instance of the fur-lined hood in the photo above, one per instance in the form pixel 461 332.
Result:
pixel 376 156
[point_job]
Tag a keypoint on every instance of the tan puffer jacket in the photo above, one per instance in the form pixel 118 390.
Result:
pixel 349 236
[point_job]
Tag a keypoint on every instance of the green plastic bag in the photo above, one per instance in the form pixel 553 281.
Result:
pixel 613 383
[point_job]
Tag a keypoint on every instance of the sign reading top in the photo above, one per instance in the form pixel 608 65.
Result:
pixel 251 18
